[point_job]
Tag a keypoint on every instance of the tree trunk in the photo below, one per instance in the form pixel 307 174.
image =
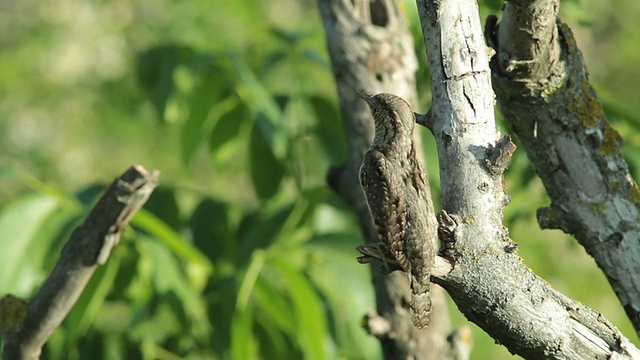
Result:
pixel 479 266
pixel 371 50
pixel 489 282
pixel 545 96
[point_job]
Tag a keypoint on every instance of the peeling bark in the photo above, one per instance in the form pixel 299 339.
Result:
pixel 371 50
pixel 544 95
pixel 489 282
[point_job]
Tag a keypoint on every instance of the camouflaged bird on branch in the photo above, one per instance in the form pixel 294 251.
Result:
pixel 398 197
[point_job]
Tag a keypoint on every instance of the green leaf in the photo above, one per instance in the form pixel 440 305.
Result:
pixel 203 99
pixel 261 230
pixel 316 57
pixel 157 325
pixel 266 170
pixel 329 129
pixel 298 226
pixel 52 235
pixel 289 36
pixel 155 73
pixel 164 205
pixel 198 266
pixel 335 269
pixel 19 223
pixel 167 272
pixel 172 283
pixel 273 342
pixel 89 195
pixel 274 306
pixel 209 225
pixel 309 310
pixel 265 107
pixel 243 344
pixel 228 126
pixel 249 279
pixel 273 58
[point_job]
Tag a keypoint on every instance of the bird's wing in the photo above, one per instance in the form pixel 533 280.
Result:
pixel 384 191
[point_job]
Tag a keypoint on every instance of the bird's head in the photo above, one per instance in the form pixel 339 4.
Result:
pixel 392 116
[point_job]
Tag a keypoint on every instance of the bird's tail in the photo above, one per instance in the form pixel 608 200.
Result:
pixel 420 305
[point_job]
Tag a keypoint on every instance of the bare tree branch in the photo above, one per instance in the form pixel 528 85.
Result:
pixel 89 246
pixel 489 282
pixel 372 50
pixel 545 96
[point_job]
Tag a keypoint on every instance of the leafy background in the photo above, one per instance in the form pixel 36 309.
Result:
pixel 242 252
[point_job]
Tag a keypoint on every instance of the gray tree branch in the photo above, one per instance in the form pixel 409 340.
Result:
pixel 371 50
pixel 544 94
pixel 489 282
pixel 89 246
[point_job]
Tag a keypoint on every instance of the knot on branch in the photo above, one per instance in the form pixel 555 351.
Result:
pixel 334 176
pixel 447 227
pixel 376 325
pixel 498 156
pixel 425 120
pixel 461 342
pixel 13 310
pixel 555 217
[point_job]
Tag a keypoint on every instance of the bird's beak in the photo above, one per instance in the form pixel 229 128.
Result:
pixel 366 97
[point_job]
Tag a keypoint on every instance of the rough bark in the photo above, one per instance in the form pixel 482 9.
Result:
pixel 89 246
pixel 371 50
pixel 489 282
pixel 545 96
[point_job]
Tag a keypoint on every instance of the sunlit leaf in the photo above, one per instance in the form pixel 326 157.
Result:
pixel 249 279
pixel 203 99
pixel 19 223
pixel 173 241
pixel 274 306
pixel 148 222
pixel 53 234
pixel 310 312
pixel 243 344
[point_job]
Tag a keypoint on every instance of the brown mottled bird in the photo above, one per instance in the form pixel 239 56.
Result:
pixel 398 197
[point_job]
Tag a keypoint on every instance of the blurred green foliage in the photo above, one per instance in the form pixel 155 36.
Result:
pixel 242 252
